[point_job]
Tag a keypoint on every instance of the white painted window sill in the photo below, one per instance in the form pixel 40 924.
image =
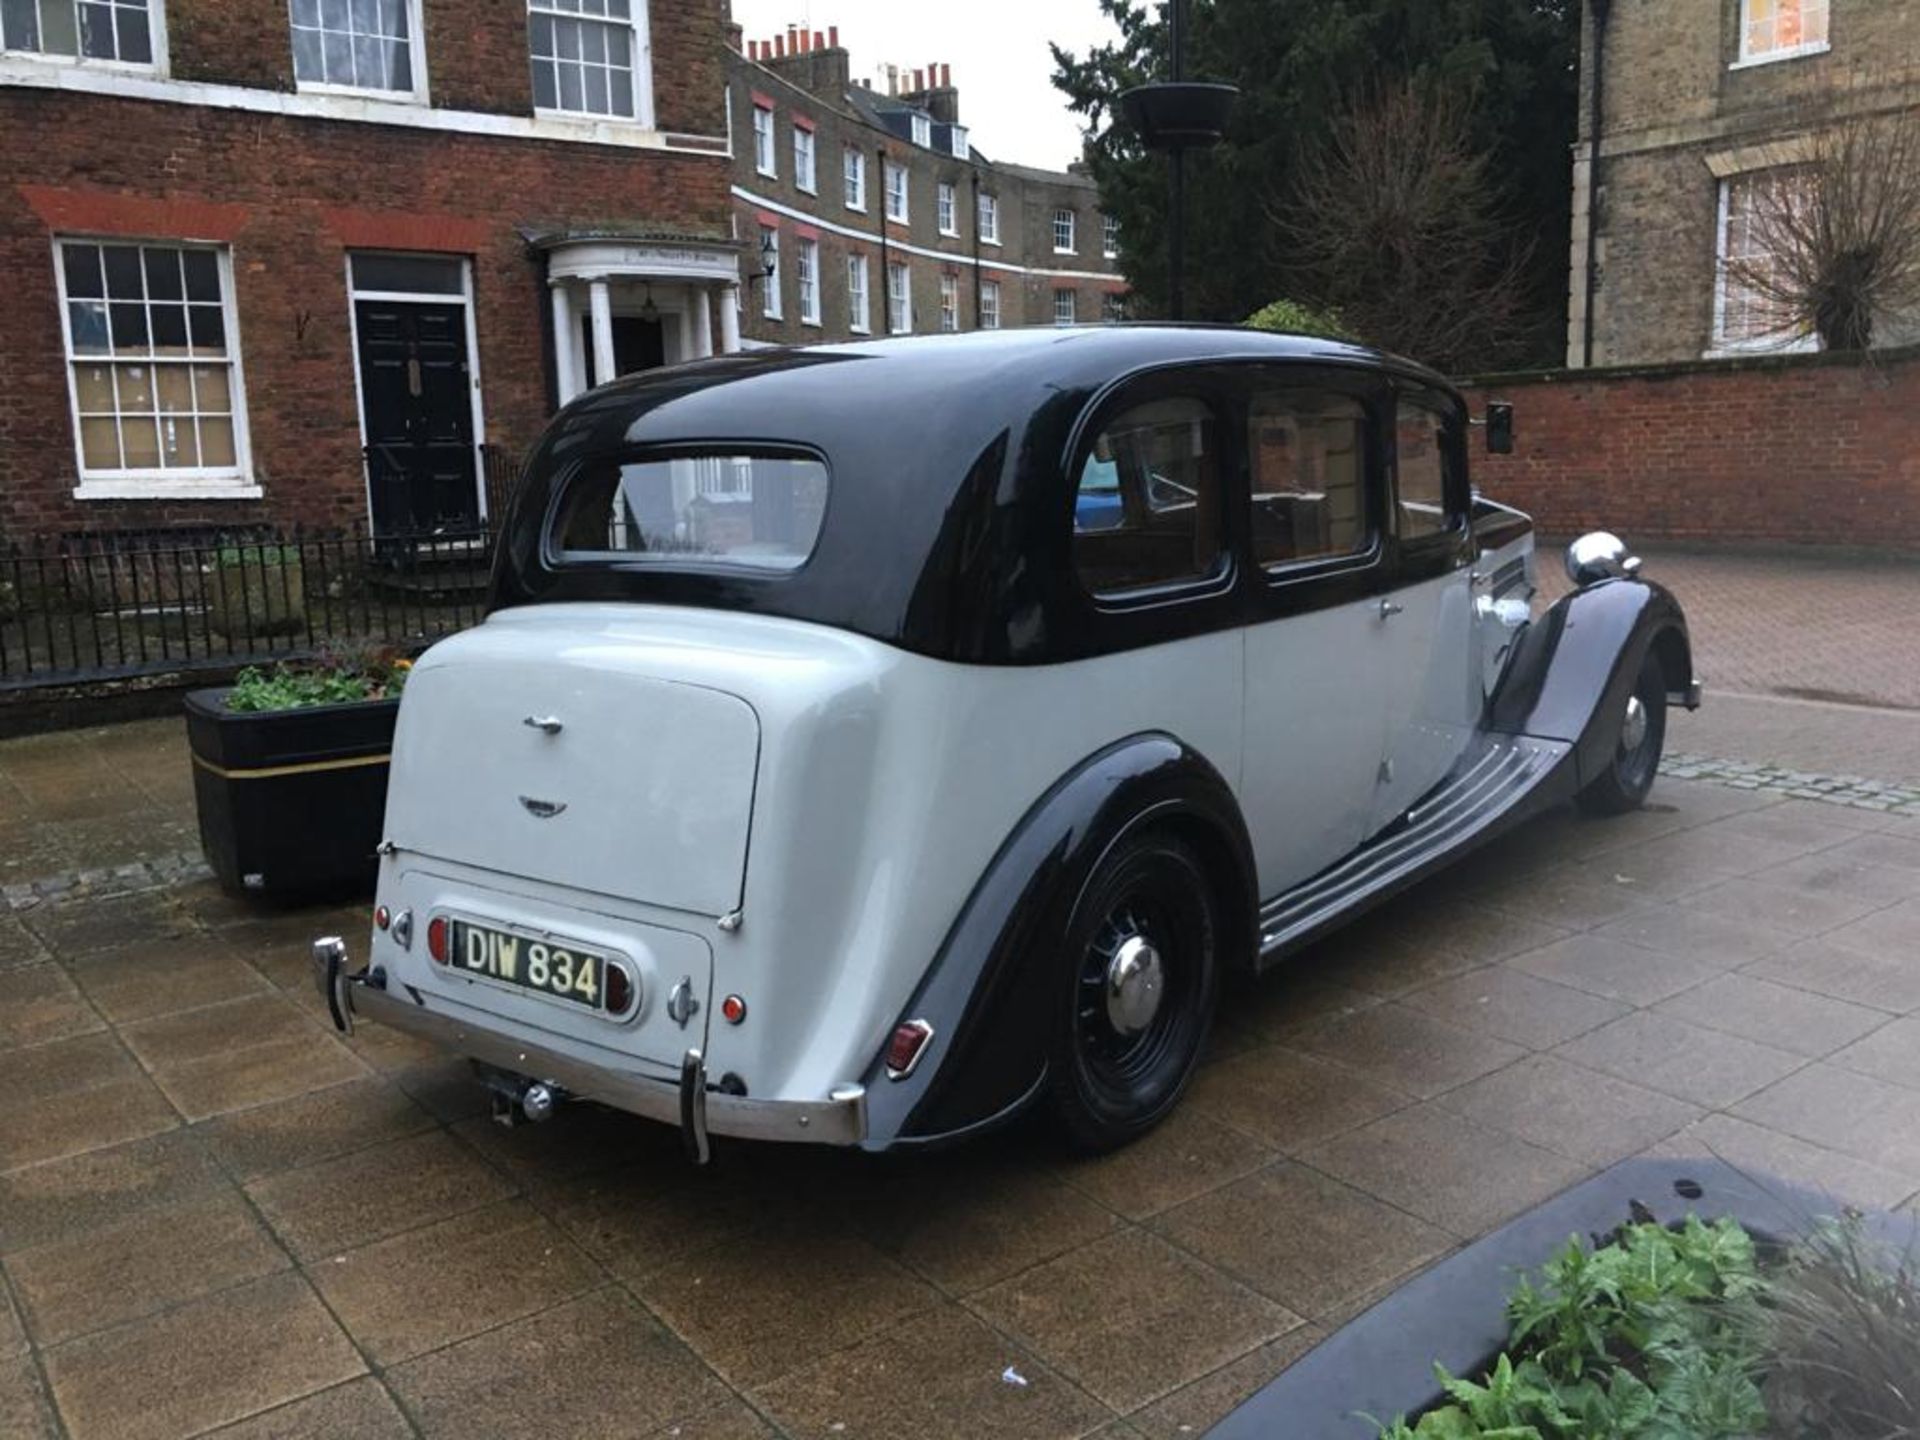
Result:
pixel 859 330
pixel 1775 57
pixel 990 240
pixel 167 490
pixel 359 92
pixel 1754 349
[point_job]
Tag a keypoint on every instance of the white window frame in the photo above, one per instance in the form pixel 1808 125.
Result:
pixel 1720 344
pixel 958 144
pixel 899 301
pixel 770 306
pixel 923 130
pixel 853 178
pixel 1748 57
pixel 766 157
pixel 156 42
pixel 1109 237
pixel 987 217
pixel 805 157
pixel 948 207
pixel 1072 298
pixel 859 296
pixel 1072 218
pixel 989 304
pixel 416 51
pixel 643 116
pixel 222 482
pixel 806 269
pixel 949 303
pixel 888 172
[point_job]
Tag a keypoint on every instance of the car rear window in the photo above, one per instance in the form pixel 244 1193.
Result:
pixel 758 512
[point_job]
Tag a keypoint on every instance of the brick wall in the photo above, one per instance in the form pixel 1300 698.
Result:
pixel 1795 451
pixel 290 197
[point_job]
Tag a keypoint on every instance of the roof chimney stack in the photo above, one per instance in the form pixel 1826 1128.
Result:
pixel 833 37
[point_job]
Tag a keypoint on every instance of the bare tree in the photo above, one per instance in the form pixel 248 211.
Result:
pixel 1391 221
pixel 1832 242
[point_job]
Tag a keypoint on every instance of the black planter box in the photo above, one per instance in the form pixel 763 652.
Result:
pixel 1381 1365
pixel 291 801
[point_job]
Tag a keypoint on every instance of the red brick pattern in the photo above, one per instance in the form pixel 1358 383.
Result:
pixel 1798 452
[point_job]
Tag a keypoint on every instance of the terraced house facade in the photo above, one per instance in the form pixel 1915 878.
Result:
pixel 325 260
pixel 864 211
pixel 1690 108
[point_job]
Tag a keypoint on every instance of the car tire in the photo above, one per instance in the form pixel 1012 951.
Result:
pixel 1640 736
pixel 1136 994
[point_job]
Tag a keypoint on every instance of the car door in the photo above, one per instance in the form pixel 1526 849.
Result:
pixel 1317 682
pixel 1433 694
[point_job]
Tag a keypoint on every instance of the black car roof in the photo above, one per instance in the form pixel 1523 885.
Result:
pixel 946 454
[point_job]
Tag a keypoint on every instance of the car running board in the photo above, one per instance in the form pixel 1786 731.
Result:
pixel 1482 796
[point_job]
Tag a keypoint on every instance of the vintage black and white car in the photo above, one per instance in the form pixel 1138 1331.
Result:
pixel 869 742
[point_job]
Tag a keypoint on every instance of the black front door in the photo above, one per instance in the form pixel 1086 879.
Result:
pixel 415 391
pixel 638 344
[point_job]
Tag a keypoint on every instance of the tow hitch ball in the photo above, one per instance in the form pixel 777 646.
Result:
pixel 518 1100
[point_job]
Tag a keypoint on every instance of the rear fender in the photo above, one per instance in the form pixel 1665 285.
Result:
pixel 1573 668
pixel 987 994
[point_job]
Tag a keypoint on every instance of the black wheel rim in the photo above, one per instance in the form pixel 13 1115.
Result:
pixel 1121 1062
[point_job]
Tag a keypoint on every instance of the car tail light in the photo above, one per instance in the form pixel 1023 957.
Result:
pixel 908 1044
pixel 619 990
pixel 437 938
pixel 381 917
pixel 733 1009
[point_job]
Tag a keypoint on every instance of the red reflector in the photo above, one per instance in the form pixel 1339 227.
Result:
pixel 733 1009
pixel 619 990
pixel 382 918
pixel 903 1050
pixel 437 938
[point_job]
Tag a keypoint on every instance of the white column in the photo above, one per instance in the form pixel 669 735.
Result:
pixel 566 377
pixel 729 319
pixel 602 301
pixel 701 309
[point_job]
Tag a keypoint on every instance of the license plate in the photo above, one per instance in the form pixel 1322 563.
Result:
pixel 547 967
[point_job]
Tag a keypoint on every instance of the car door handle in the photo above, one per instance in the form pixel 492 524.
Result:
pixel 545 724
pixel 1388 609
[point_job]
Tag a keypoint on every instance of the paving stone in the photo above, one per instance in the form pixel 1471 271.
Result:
pixel 214 1360
pixel 1277 1005
pixel 144 981
pixel 1384 965
pixel 1882 982
pixel 147 1262
pixel 358 1410
pixel 39 1003
pixel 1843 1110
pixel 590 1366
pixel 1478 933
pixel 1398 1045
pixel 576 1139
pixel 640 1219
pixel 1515 1006
pixel 1614 969
pixel 77 928
pixel 18 945
pixel 353 1200
pixel 1187 1155
pixel 24 1411
pixel 941 1374
pixel 1589 1117
pixel 13 1330
pixel 1764 902
pixel 1287 1100
pixel 1891 1053
pixel 356 1115
pixel 1705 1067
pixel 1895 848
pixel 1828 873
pixel 71 1096
pixel 1194 1409
pixel 43 1203
pixel 242 1053
pixel 1799 1021
pixel 1687 931
pixel 1769 1155
pixel 1129 1318
pixel 1578 897
pixel 1302 1238
pixel 1449 1171
pixel 1892 931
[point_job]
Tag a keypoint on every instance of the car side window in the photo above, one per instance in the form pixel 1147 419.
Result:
pixel 1307 451
pixel 1420 473
pixel 1147 505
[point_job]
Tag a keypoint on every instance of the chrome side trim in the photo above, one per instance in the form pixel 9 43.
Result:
pixel 841 1119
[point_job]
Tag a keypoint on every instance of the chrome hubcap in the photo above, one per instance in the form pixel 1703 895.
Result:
pixel 1633 729
pixel 1134 985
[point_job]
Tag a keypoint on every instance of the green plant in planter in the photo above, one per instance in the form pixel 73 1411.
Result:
pixel 380 675
pixel 256 590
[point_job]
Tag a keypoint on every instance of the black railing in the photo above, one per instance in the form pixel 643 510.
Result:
pixel 128 604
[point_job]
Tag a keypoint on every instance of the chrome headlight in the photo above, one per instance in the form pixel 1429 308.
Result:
pixel 1599 556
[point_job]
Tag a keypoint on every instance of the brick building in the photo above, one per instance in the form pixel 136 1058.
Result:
pixel 1698 101
pixel 867 213
pixel 420 222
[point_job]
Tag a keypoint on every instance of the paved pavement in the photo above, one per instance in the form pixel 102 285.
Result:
pixel 218 1217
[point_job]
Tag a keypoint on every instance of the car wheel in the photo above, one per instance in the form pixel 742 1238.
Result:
pixel 1142 949
pixel 1642 735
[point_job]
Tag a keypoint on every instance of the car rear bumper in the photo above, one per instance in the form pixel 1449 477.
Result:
pixel 840 1119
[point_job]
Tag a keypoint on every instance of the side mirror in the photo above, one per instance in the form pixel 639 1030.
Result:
pixel 1499 428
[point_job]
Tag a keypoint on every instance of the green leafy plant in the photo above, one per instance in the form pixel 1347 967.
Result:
pixel 233 556
pixel 1290 317
pixel 1654 1336
pixel 335 680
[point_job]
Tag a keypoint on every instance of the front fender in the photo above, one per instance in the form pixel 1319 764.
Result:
pixel 1573 668
pixel 986 995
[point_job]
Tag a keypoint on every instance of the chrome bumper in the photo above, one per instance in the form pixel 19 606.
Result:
pixel 840 1119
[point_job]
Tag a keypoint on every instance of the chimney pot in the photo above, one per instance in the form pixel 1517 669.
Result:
pixel 819 41
pixel 833 36
pixel 919 81
pixel 780 46
pixel 946 74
